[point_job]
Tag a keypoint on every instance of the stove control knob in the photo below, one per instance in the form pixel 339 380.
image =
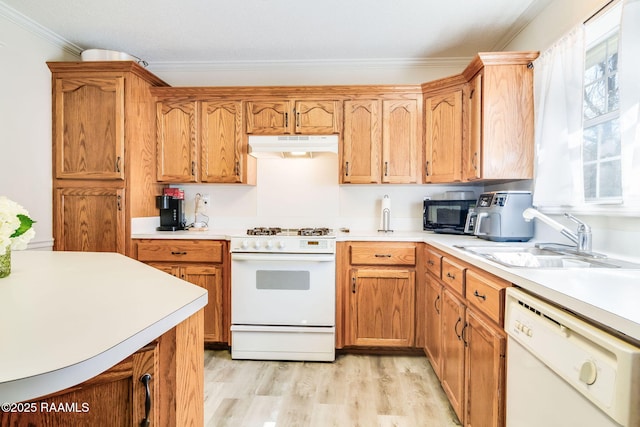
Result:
pixel 269 244
pixel 244 244
pixel 281 244
pixel 257 244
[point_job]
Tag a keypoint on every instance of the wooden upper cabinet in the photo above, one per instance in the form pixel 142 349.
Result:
pixel 281 117
pixel 443 137
pixel 317 117
pixel 89 128
pixel 269 117
pixel 380 141
pixel 362 142
pixel 399 141
pixel 222 141
pixel 177 124
pixel 500 122
pixel 473 143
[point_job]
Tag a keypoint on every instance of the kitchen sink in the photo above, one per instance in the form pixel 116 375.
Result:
pixel 536 257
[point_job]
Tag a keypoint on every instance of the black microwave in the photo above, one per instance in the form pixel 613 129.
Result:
pixel 446 216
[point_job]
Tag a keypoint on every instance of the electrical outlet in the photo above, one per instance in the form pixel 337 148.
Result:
pixel 205 199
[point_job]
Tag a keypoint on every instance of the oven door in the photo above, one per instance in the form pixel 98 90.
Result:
pixel 283 289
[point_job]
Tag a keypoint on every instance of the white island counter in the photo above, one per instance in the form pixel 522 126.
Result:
pixel 66 317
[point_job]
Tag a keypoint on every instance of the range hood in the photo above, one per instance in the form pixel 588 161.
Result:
pixel 291 146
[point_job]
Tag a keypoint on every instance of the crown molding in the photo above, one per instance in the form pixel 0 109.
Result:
pixel 388 63
pixel 37 29
pixel 525 18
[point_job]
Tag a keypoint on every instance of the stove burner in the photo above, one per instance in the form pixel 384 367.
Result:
pixel 264 231
pixel 272 231
pixel 323 231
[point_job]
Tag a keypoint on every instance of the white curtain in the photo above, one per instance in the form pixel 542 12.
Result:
pixel 628 73
pixel 558 77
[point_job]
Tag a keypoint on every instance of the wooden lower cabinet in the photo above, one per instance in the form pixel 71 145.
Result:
pixel 433 323
pixel 376 298
pixel 117 397
pixel 453 351
pixel 382 307
pixel 464 337
pixel 203 263
pixel 485 372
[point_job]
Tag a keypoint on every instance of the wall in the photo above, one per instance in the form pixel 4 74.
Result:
pixel 612 234
pixel 25 119
pixel 305 193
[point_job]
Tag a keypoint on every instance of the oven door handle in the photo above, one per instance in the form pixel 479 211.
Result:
pixel 284 257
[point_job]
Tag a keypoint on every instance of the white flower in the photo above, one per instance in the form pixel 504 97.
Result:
pixel 15 226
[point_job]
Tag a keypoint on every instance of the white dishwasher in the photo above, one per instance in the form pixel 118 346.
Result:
pixel 564 372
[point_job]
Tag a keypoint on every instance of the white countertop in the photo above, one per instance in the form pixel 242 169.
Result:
pixel 66 317
pixel 607 296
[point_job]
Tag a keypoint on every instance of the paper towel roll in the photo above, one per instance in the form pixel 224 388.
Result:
pixel 385 218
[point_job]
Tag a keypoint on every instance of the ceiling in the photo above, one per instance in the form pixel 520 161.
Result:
pixel 211 31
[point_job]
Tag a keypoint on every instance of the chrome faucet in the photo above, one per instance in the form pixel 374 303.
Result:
pixel 582 237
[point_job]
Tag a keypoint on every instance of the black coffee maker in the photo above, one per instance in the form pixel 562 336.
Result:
pixel 171 213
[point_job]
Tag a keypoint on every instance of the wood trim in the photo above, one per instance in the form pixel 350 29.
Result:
pixel 283 92
pixel 181 368
pixel 483 59
pixel 106 66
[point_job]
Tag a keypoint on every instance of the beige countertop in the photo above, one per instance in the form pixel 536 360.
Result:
pixel 66 317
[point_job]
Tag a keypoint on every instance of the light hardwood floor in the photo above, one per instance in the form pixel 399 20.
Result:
pixel 355 390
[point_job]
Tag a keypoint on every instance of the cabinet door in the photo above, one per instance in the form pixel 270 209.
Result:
pixel 221 141
pixel 399 141
pixel 382 307
pixel 453 351
pixel 362 142
pixel 89 219
pixel 485 372
pixel 472 150
pixel 116 395
pixel 210 278
pixel 177 140
pixel 433 335
pixel 89 128
pixel 317 117
pixel 269 117
pixel 443 144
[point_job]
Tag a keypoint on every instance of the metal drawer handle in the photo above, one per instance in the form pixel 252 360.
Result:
pixel 451 276
pixel 353 284
pixel 178 253
pixel 146 422
pixel 462 334
pixel 431 263
pixel 476 294
pixel 383 256
pixel 455 329
pixel 435 304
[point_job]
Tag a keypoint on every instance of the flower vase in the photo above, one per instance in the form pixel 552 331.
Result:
pixel 5 263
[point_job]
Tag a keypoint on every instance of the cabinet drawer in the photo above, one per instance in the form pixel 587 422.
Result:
pixel 486 293
pixel 383 254
pixel 180 250
pixel 434 262
pixel 453 275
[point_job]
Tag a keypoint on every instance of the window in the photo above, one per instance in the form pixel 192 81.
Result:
pixel 601 145
pixel 587 122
